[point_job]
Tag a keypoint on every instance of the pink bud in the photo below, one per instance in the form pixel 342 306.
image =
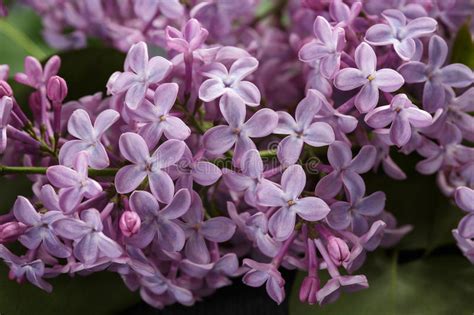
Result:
pixel 10 231
pixel 308 290
pixel 5 89
pixel 338 250
pixel 56 89
pixel 129 223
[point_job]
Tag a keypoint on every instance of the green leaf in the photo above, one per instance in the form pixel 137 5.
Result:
pixel 102 293
pixel 20 36
pixel 432 286
pixel 417 201
pixel 463 49
pixel 10 189
pixel 87 71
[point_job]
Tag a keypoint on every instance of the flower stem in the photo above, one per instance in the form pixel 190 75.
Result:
pixel 8 170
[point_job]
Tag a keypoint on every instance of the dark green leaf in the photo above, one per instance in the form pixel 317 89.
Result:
pixel 87 71
pixel 102 293
pixel 20 36
pixel 432 286
pixel 419 202
pixel 463 49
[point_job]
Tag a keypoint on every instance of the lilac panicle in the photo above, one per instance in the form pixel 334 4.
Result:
pixel 242 151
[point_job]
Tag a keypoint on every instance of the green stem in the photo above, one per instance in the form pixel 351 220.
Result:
pixel 7 170
pixel 21 40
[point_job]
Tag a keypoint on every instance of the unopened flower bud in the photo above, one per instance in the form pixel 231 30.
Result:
pixel 129 223
pixel 308 290
pixel 338 250
pixel 5 89
pixel 10 231
pixel 56 89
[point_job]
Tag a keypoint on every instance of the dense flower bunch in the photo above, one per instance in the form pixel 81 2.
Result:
pixel 242 151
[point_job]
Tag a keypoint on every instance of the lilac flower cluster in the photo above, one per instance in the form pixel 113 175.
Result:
pixel 240 153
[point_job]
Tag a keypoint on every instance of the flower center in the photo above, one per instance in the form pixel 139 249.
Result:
pixel 162 117
pixel 370 77
pixel 291 202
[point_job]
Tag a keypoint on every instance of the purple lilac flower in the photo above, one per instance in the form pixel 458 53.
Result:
pixel 21 267
pixel 327 48
pixel 465 200
pixel 90 243
pixel 139 73
pixel 251 166
pixel 438 79
pixel 222 138
pixel 332 289
pixel 218 229
pixel 74 183
pixel 135 150
pixel 146 9
pixel 155 119
pixel 366 75
pixel 222 81
pixel 449 151
pixel 346 170
pixel 257 228
pixel 400 33
pixel 287 199
pixel 39 231
pixel 158 225
pixel 265 273
pixel 6 105
pixel 80 126
pixel 302 129
pixel 402 115
pixel 192 169
pixel 35 75
pixel 353 213
pixel 190 38
pixel 342 14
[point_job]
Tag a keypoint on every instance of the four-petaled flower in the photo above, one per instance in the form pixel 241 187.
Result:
pixel 260 273
pixel 353 213
pixel 135 149
pixel 139 74
pixel 222 82
pixel 155 119
pixel 366 75
pixel 90 242
pixel 190 169
pixel 344 168
pixel 220 139
pixel 159 224
pixel 437 79
pixel 39 231
pixel 399 33
pixel 21 267
pixel 402 114
pixel 80 127
pixel 217 229
pixel 302 129
pixel 287 198
pixel 251 166
pixel 327 48
pixel 74 183
pixel 464 197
